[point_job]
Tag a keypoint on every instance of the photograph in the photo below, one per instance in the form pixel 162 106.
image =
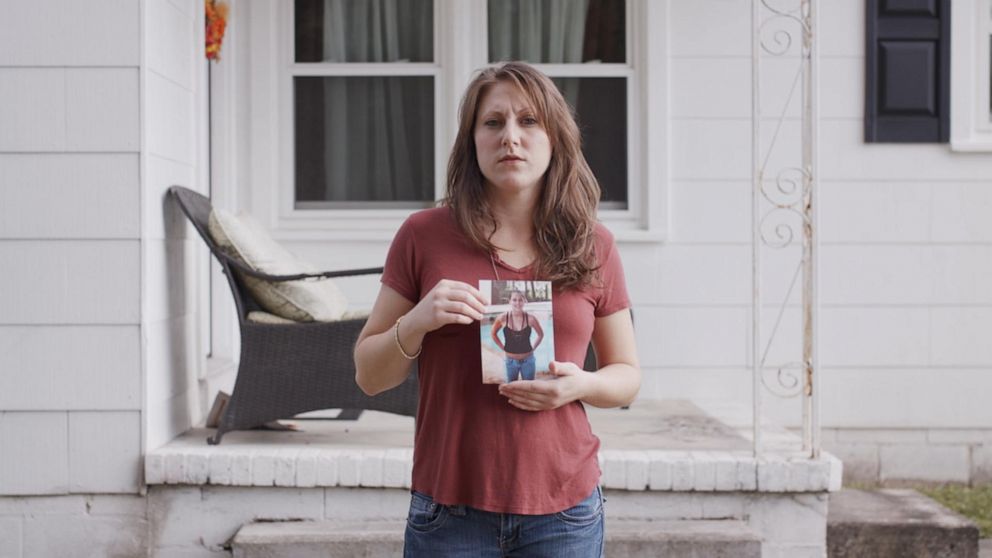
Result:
pixel 517 331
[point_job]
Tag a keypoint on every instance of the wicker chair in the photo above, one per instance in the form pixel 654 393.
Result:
pixel 287 369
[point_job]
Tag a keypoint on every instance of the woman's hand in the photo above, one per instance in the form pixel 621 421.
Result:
pixel 449 302
pixel 571 383
pixel 615 383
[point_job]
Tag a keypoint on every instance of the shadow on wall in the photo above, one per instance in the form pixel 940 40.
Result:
pixel 177 397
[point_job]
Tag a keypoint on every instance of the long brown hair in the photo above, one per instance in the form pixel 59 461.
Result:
pixel 565 216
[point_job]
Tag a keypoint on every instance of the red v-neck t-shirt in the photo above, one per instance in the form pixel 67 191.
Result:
pixel 471 446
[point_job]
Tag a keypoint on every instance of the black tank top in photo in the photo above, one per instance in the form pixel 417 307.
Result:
pixel 517 341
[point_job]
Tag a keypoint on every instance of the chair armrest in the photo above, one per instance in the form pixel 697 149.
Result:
pixel 281 278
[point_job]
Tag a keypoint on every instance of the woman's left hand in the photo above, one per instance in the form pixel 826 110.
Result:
pixel 541 395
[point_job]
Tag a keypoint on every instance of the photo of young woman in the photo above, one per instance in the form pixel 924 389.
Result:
pixel 517 331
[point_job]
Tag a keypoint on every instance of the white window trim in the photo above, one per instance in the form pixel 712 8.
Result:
pixel 266 178
pixel 971 24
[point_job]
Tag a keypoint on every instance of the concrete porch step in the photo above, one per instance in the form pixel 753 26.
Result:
pixel 681 539
pixel 896 524
pixel 372 539
pixel 319 539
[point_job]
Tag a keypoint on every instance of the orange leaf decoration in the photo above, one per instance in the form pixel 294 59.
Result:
pixel 216 22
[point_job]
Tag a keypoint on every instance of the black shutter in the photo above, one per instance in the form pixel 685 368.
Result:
pixel 908 71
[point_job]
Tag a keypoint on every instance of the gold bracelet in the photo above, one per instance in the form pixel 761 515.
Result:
pixel 396 335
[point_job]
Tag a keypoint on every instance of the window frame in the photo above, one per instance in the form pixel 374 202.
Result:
pixel 971 114
pixel 269 154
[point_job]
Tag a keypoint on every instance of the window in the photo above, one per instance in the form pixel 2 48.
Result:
pixel 363 140
pixel 353 102
pixel 366 141
pixel 971 75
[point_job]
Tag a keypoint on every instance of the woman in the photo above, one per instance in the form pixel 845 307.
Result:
pixel 517 326
pixel 520 205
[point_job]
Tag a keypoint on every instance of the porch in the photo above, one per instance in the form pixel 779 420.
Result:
pixel 662 461
pixel 664 445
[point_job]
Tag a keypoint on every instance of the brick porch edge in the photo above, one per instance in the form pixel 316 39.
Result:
pixel 637 470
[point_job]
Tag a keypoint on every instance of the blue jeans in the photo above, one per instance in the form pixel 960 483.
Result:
pixel 520 368
pixel 460 531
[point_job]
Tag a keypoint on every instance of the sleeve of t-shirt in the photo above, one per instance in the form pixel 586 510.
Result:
pixel 613 290
pixel 399 272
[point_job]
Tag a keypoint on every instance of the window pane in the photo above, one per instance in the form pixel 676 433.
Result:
pixel 362 139
pixel 557 31
pixel 364 30
pixel 601 108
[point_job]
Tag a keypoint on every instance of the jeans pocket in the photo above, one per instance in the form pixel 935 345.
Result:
pixel 425 514
pixel 586 512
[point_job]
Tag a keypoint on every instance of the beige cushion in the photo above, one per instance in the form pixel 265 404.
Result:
pixel 260 317
pixel 355 314
pixel 243 238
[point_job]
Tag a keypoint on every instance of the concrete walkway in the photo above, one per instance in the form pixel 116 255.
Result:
pixel 985 548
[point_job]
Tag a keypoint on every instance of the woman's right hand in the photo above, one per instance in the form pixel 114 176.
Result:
pixel 449 302
pixel 378 363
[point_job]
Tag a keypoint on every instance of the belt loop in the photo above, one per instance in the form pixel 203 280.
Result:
pixel 457 509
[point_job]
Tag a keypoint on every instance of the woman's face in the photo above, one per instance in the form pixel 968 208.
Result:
pixel 512 148
pixel 517 301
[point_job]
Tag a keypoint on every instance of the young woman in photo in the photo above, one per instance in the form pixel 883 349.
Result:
pixel 508 469
pixel 516 325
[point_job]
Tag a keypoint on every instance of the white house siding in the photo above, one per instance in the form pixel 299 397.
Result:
pixel 174 280
pixel 99 351
pixel 70 254
pixel 906 254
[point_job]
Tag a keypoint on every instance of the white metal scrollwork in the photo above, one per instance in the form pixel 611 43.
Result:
pixel 784 208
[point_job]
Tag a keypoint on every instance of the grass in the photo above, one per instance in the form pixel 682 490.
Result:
pixel 973 502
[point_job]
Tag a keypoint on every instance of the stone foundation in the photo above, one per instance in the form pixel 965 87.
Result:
pixel 906 457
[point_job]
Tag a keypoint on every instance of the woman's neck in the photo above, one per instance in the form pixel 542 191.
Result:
pixel 514 225
pixel 516 319
pixel 520 220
